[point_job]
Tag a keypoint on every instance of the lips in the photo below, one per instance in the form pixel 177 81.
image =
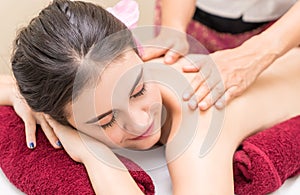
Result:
pixel 147 133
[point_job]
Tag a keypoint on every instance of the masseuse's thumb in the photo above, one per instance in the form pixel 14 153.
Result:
pixel 152 52
pixel 171 57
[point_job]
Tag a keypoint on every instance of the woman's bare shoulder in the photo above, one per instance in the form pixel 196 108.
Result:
pixel 177 66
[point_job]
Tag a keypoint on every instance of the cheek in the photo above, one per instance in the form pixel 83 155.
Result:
pixel 154 100
pixel 154 93
pixel 114 136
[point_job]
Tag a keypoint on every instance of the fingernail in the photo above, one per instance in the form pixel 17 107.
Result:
pixel 219 105
pixel 193 104
pixel 188 66
pixel 168 59
pixel 58 143
pixel 186 96
pixel 31 145
pixel 202 105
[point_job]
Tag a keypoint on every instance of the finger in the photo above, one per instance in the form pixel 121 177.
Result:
pixel 153 52
pixel 30 130
pixel 229 94
pixel 171 57
pixel 48 130
pixel 61 131
pixel 190 68
pixel 196 83
pixel 204 97
pixel 180 48
pixel 193 63
pixel 52 123
pixel 214 95
pixel 198 96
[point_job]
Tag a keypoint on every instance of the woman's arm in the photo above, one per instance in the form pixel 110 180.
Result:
pixel 108 179
pixel 7 87
pixel 274 97
pixel 106 172
pixel 10 96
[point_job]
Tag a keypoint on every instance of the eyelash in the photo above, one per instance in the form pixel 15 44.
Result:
pixel 140 93
pixel 113 120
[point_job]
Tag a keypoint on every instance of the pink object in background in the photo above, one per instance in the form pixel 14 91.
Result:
pixel 127 11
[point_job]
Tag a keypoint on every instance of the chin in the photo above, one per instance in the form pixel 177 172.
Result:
pixel 147 143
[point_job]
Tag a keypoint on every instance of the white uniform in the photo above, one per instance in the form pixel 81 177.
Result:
pixel 249 10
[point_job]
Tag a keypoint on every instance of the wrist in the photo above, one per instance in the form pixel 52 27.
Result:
pixel 175 25
pixel 99 155
pixel 264 50
pixel 276 45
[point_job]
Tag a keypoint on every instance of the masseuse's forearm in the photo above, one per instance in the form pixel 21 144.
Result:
pixel 285 33
pixel 110 177
pixel 274 42
pixel 177 13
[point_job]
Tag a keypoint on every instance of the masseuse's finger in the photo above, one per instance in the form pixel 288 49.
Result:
pixel 48 130
pixel 178 49
pixel 229 94
pixel 153 52
pixel 171 57
pixel 198 82
pixel 195 62
pixel 191 67
pixel 216 92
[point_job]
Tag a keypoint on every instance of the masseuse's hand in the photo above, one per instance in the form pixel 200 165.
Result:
pixel 226 74
pixel 30 119
pixel 170 43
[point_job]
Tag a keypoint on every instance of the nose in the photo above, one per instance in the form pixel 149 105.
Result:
pixel 137 120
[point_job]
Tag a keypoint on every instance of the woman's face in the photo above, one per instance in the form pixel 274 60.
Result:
pixel 123 109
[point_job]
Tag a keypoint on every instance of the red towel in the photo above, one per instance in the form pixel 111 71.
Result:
pixel 265 160
pixel 261 165
pixel 45 170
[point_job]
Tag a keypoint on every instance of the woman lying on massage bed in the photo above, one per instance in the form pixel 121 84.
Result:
pixel 78 64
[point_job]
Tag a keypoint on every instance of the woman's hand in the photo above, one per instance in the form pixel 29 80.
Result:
pixel 30 119
pixel 69 138
pixel 170 43
pixel 226 74
pixel 98 159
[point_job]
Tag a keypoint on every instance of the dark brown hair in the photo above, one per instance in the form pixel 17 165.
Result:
pixel 49 51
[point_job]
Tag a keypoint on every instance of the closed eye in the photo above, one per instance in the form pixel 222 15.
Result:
pixel 141 91
pixel 111 121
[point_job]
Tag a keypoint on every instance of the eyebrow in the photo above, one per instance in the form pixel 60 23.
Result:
pixel 137 80
pixel 99 117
